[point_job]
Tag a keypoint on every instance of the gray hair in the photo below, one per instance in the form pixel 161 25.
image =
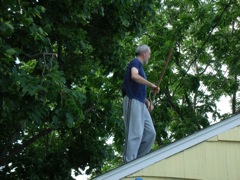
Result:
pixel 142 48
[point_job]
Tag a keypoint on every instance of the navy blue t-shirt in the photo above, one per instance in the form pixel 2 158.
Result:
pixel 130 87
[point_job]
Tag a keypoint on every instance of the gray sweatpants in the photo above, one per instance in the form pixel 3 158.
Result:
pixel 139 130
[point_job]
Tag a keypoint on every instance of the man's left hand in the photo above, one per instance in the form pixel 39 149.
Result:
pixel 150 106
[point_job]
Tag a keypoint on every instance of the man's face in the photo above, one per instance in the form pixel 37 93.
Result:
pixel 146 56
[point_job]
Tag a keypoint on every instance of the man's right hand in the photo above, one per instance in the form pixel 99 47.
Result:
pixel 155 89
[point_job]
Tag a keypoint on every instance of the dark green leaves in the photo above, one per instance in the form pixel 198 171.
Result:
pixel 62 66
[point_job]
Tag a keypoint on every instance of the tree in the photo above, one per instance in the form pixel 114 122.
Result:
pixel 56 113
pixel 62 66
pixel 194 80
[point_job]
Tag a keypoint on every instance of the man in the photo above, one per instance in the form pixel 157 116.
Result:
pixel 139 130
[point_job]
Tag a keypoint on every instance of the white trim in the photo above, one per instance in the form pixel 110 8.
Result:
pixel 171 149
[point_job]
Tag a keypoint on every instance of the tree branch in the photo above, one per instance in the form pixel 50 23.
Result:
pixel 167 93
pixel 39 54
pixel 6 159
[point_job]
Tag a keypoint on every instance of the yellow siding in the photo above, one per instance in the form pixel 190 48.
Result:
pixel 193 159
pixel 232 135
pixel 215 138
pixel 233 161
pixel 175 166
pixel 215 159
pixel 216 164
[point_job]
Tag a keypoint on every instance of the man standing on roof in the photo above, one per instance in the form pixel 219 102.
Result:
pixel 139 130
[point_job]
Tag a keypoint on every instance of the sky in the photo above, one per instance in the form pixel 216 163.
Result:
pixel 224 105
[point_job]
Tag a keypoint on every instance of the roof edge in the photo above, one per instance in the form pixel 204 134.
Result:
pixel 171 149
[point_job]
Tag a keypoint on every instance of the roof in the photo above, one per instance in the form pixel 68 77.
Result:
pixel 171 149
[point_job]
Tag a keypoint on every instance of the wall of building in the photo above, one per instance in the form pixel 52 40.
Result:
pixel 217 158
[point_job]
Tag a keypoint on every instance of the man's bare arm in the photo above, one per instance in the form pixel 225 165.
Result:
pixel 139 79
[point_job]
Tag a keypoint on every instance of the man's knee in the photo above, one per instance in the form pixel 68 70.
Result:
pixel 153 135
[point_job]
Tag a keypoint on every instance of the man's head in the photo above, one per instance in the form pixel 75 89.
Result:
pixel 143 52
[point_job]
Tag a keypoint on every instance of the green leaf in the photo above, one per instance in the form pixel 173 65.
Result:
pixel 70 120
pixel 10 52
pixel 7 27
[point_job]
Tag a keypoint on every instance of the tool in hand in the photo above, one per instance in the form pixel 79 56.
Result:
pixel 161 76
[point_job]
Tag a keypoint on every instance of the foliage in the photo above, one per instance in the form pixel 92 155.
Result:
pixel 61 70
pixel 194 80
